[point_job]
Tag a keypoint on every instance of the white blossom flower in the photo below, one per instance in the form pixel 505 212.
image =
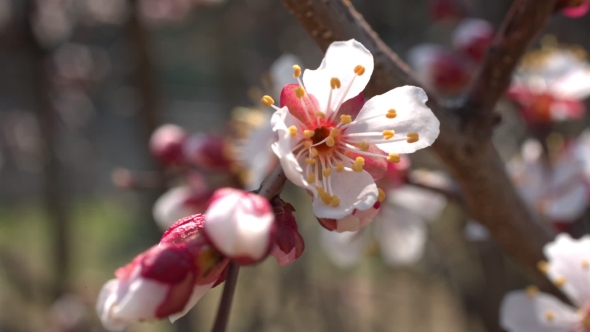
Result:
pixel 439 67
pixel 400 229
pixel 555 189
pixel 550 84
pixel 568 267
pixel 472 38
pixel 329 142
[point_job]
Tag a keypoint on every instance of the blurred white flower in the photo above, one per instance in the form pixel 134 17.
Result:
pixel 568 267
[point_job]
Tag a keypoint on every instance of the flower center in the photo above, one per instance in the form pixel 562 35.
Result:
pixel 319 137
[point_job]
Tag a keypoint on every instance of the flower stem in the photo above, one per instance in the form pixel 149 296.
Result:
pixel 226 298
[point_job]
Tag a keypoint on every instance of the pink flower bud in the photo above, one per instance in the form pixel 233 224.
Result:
pixel 439 67
pixel 472 38
pixel 353 222
pixel 573 8
pixel 240 225
pixel 166 144
pixel 177 203
pixel 165 281
pixel 207 151
pixel 289 243
pixel 446 10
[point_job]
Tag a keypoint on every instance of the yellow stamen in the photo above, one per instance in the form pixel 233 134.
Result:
pixel 307 144
pixel 296 71
pixel 585 264
pixel 323 195
pixel 345 119
pixel 339 167
pixel 334 132
pixel 330 141
pixel 549 315
pixel 313 153
pixel 308 133
pixel 393 158
pixel 381 196
pixel 391 114
pixel 413 137
pixel 310 161
pixel 320 115
pixel 388 134
pixel 559 281
pixel 299 92
pixel 543 266
pixel 327 172
pixel 293 131
pixel 311 178
pixel 267 101
pixel 335 83
pixel 360 160
pixel 334 201
pixel 532 291
pixel 358 164
pixel 364 146
pixel 359 70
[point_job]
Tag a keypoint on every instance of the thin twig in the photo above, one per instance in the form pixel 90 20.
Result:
pixel 224 309
pixel 470 157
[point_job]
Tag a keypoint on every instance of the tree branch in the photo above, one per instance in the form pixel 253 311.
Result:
pixel 471 159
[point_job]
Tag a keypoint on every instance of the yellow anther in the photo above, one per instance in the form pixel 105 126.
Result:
pixel 585 264
pixel 543 266
pixel 388 134
pixel 299 92
pixel 313 153
pixel 339 167
pixel 330 141
pixel 391 114
pixel 393 158
pixel 310 161
pixel 413 137
pixel 358 164
pixel 311 178
pixel 325 197
pixel 307 144
pixel 293 131
pixel 334 132
pixel 364 146
pixel 381 196
pixel 532 291
pixel 267 101
pixel 334 201
pixel 320 115
pixel 326 172
pixel 335 83
pixel 549 315
pixel 308 133
pixel 559 281
pixel 346 119
pixel 359 70
pixel 360 160
pixel 296 71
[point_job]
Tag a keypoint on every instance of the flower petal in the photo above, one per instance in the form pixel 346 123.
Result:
pixel 141 301
pixel 521 312
pixel 413 116
pixel 401 235
pixel 296 106
pixel 424 203
pixel 106 299
pixel 578 11
pixel 343 249
pixel 281 120
pixel 569 260
pixel 574 85
pixel 340 61
pixel 355 190
pixel 281 71
pixel 198 292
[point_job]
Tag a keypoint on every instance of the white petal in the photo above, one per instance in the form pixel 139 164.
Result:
pixel 569 205
pixel 401 235
pixel 141 300
pixel 470 30
pixel 106 300
pixel 281 71
pixel 520 312
pixel 170 207
pixel 422 202
pixel 198 292
pixel 475 231
pixel 239 224
pixel 340 61
pixel 412 116
pixel 257 155
pixel 343 249
pixel 281 120
pixel 355 190
pixel 570 259
pixel 421 59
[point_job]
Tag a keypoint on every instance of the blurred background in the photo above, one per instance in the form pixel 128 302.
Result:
pixel 84 83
